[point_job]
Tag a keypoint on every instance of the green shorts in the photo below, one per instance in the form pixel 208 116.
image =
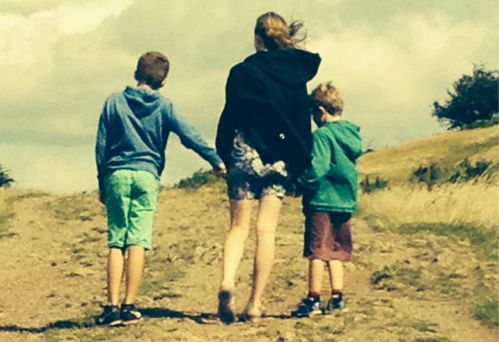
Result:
pixel 131 197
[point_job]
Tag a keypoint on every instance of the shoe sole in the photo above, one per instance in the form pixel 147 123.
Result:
pixel 110 324
pixel 131 322
pixel 226 311
pixel 311 314
pixel 113 324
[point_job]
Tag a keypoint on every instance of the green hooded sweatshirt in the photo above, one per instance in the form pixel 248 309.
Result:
pixel 330 184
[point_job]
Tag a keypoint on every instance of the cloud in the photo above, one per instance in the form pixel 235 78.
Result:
pixel 59 61
pixel 391 77
pixel 50 168
pixel 27 41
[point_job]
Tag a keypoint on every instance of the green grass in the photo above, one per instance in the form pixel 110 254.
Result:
pixel 483 240
pixel 446 149
pixel 486 306
pixel 432 339
pixel 6 214
pixel 457 152
pixel 80 207
pixel 397 277
pixel 196 180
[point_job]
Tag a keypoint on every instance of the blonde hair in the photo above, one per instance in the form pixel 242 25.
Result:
pixel 276 33
pixel 329 97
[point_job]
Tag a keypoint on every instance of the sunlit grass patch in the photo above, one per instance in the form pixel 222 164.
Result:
pixel 472 204
pixel 397 163
pixel 156 282
pixel 76 207
pixel 486 306
pixel 483 240
pixel 432 339
pixel 6 213
pixel 397 277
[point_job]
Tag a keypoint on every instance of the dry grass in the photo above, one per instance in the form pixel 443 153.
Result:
pixel 466 203
pixel 398 163
pixel 6 212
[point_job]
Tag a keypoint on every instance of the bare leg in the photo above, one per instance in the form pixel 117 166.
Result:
pixel 115 261
pixel 315 275
pixel 268 216
pixel 134 269
pixel 240 218
pixel 335 274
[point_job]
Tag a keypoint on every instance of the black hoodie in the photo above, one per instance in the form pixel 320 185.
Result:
pixel 266 98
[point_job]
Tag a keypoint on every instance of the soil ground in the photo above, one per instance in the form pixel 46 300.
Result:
pixel 398 287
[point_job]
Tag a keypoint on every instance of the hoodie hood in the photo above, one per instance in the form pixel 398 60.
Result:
pixel 142 101
pixel 347 135
pixel 289 66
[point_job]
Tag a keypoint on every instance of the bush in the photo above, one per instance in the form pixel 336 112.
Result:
pixel 5 179
pixel 429 175
pixel 367 185
pixel 198 179
pixel 473 101
pixel 467 171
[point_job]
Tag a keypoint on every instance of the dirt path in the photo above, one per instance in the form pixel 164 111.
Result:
pixel 399 288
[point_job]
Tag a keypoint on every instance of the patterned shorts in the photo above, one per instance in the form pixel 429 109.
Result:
pixel 250 178
pixel 242 186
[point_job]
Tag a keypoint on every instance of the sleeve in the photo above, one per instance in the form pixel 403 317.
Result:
pixel 190 137
pixel 226 125
pixel 101 149
pixel 321 160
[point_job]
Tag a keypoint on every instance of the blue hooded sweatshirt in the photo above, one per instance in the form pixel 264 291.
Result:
pixel 133 132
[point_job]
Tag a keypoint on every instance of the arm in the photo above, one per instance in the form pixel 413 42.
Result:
pixel 226 125
pixel 100 152
pixel 190 138
pixel 321 160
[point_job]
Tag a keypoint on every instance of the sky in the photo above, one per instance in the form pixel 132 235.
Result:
pixel 59 60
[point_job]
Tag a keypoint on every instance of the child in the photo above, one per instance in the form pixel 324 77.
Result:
pixel 329 198
pixel 130 151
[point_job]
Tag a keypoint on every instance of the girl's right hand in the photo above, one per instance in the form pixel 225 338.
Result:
pixel 221 170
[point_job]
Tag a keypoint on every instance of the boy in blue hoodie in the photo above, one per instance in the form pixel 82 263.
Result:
pixel 130 152
pixel 329 198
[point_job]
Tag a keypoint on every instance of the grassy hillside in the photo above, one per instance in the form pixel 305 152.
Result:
pixel 424 268
pixel 462 207
pixel 446 150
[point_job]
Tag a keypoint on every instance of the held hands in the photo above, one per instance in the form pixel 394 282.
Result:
pixel 220 170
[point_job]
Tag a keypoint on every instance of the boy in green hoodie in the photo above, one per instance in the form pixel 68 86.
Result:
pixel 329 199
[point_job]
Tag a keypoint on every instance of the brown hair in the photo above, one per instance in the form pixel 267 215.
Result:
pixel 327 96
pixel 152 69
pixel 276 33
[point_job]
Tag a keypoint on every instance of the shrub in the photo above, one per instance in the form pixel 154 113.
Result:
pixel 367 185
pixel 429 175
pixel 198 179
pixel 473 101
pixel 5 179
pixel 467 171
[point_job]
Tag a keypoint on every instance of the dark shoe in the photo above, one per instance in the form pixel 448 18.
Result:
pixel 335 303
pixel 130 314
pixel 251 314
pixel 308 307
pixel 226 307
pixel 109 316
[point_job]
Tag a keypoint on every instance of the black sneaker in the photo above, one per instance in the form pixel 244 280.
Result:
pixel 335 303
pixel 109 316
pixel 130 314
pixel 308 307
pixel 226 307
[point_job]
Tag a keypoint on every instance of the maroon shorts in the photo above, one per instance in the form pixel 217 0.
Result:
pixel 328 236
